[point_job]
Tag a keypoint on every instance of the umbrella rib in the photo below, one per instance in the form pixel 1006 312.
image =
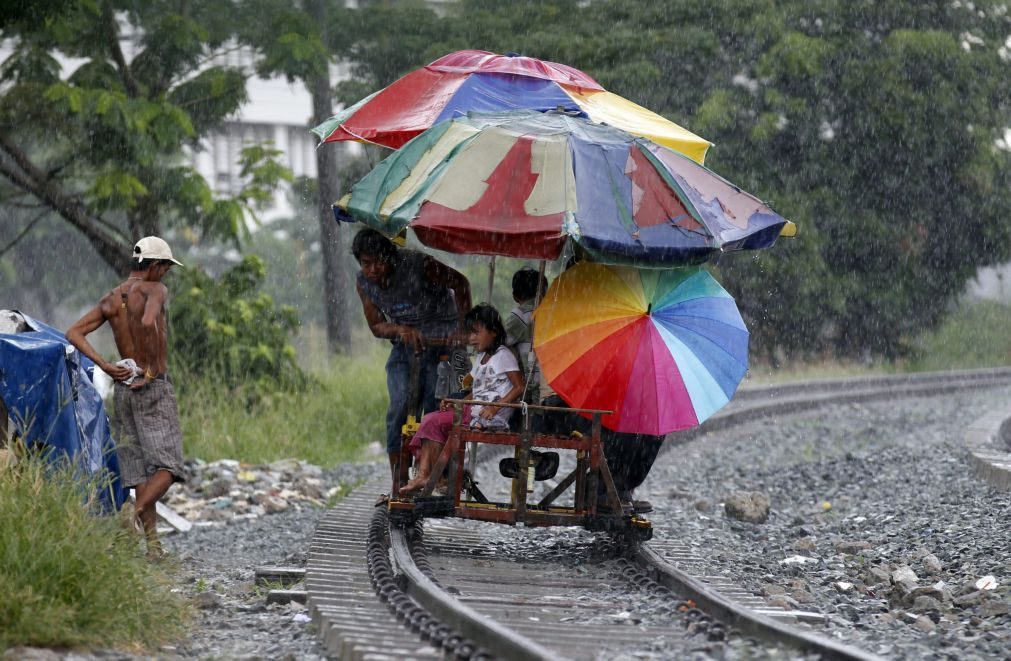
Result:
pixel 700 378
pixel 668 178
pixel 356 137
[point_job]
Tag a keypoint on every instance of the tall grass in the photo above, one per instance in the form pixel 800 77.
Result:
pixel 975 335
pixel 333 420
pixel 760 374
pixel 70 578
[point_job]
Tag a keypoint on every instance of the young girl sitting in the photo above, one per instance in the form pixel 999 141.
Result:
pixel 496 378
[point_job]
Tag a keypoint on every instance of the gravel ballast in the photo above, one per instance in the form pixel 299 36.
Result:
pixel 217 567
pixel 876 521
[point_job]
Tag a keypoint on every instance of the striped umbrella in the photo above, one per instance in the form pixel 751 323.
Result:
pixel 524 183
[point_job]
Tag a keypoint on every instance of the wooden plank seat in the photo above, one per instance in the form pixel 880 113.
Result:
pixel 591 471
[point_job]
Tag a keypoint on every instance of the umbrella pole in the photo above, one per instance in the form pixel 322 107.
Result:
pixel 472 450
pixel 491 277
pixel 531 357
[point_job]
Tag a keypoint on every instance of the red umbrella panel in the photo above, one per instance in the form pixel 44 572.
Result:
pixel 479 81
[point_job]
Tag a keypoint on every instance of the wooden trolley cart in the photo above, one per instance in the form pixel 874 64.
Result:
pixel 464 500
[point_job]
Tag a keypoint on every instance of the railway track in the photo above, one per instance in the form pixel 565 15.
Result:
pixel 477 591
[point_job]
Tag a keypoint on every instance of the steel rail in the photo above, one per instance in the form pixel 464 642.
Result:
pixel 796 397
pixel 989 374
pixel 481 630
pixel 744 619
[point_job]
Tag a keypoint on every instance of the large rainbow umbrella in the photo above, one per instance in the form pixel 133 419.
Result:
pixel 524 183
pixel 664 350
pixel 479 81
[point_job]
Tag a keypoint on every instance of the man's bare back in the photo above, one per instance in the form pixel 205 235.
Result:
pixel 136 312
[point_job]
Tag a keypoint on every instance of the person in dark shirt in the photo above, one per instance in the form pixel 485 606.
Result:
pixel 417 303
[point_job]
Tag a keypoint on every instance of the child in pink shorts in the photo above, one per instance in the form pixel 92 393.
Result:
pixel 496 377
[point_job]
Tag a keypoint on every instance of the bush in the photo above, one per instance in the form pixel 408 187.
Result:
pixel 71 578
pixel 226 329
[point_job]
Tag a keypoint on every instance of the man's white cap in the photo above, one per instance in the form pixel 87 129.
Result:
pixel 151 247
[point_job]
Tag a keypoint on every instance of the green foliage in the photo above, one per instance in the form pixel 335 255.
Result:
pixel 290 250
pixel 71 578
pixel 872 125
pixel 102 144
pixel 333 419
pixel 289 38
pixel 208 97
pixel 261 170
pixel 391 40
pixel 882 153
pixel 228 330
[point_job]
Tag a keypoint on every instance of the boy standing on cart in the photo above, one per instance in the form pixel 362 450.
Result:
pixel 418 304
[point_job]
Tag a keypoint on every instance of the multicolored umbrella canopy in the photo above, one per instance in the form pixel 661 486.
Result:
pixel 664 350
pixel 523 183
pixel 479 81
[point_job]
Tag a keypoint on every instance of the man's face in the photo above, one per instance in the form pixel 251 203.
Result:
pixel 374 268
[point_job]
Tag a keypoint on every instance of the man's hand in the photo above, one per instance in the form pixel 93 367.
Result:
pixel 488 412
pixel 117 372
pixel 411 337
pixel 142 380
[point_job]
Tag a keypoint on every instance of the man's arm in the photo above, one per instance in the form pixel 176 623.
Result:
pixel 149 340
pixel 153 306
pixel 385 330
pixel 440 274
pixel 77 335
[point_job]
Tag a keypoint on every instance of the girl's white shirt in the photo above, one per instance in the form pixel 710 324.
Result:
pixel 491 382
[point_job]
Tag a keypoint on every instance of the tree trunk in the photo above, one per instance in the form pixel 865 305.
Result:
pixel 333 246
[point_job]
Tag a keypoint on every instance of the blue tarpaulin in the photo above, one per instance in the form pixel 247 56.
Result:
pixel 47 386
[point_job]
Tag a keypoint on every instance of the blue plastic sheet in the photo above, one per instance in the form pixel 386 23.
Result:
pixel 48 389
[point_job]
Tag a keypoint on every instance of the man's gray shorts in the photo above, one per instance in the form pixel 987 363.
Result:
pixel 148 438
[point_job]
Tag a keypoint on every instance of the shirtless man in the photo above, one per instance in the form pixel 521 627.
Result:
pixel 149 441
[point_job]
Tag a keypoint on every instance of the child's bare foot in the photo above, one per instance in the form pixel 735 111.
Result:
pixel 417 484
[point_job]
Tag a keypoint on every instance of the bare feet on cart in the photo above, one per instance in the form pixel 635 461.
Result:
pixel 415 485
